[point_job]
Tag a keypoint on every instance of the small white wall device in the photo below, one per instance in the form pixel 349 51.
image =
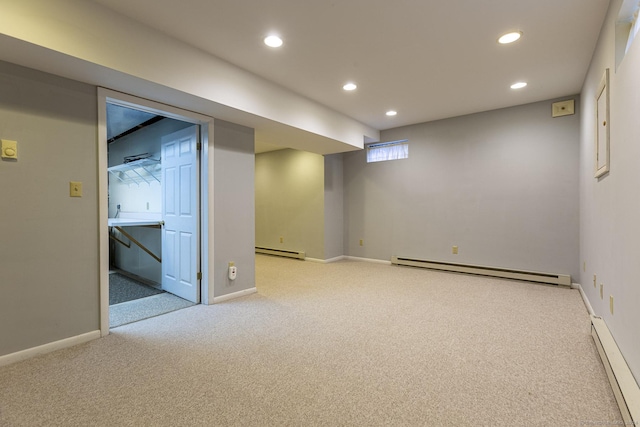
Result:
pixel 232 272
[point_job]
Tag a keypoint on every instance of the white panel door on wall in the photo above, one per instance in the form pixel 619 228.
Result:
pixel 180 211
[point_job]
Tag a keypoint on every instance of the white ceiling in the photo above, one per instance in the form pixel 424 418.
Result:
pixel 427 59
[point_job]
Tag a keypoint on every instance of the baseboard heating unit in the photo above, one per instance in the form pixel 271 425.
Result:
pixel 281 252
pixel 529 276
pixel 624 386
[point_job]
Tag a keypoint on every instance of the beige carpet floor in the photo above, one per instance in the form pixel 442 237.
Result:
pixel 342 344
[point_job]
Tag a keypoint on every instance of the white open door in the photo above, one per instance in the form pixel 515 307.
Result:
pixel 180 233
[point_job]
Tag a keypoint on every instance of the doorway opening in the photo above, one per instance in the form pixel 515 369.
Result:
pixel 151 200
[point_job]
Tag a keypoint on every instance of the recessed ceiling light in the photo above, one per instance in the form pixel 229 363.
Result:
pixel 349 86
pixel 273 41
pixel 518 85
pixel 391 113
pixel 510 37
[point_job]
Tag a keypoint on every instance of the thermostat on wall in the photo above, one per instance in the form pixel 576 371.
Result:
pixel 9 149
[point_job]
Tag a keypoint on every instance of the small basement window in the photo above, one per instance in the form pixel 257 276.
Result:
pixel 383 151
pixel 627 27
pixel 635 25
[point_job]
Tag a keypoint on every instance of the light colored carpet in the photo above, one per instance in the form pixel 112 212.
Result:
pixel 339 344
pixel 144 308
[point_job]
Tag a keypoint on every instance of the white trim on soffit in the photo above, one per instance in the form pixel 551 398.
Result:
pixel 206 176
pixel 8 359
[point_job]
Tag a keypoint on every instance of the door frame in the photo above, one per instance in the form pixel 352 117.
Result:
pixel 206 183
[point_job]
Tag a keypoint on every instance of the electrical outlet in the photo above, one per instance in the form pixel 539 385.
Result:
pixel 454 250
pixel 594 280
pixel 611 303
pixel 361 242
pixel 601 291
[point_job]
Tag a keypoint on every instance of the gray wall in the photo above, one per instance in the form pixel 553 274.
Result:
pixel 501 185
pixel 610 206
pixel 333 206
pixel 234 207
pixel 290 201
pixel 49 250
pixel 49 257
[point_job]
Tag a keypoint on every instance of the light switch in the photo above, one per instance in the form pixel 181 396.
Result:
pixel 75 189
pixel 9 149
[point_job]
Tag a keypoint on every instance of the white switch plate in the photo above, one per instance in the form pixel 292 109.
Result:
pixel 9 149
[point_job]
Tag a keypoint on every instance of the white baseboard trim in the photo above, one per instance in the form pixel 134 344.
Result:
pixel 587 304
pixel 325 261
pixel 48 348
pixel 377 261
pixel 234 295
pixel 347 258
pixel 624 386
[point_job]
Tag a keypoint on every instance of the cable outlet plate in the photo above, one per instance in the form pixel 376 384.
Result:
pixel 75 189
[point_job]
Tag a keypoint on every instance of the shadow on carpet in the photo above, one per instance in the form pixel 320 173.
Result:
pixel 123 289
